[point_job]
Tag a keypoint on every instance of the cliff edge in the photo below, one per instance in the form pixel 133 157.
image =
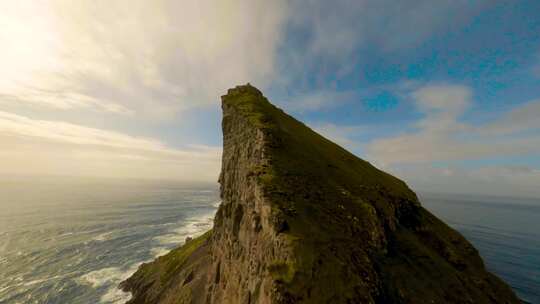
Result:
pixel 304 221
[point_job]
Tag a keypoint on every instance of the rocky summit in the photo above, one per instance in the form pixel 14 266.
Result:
pixel 304 221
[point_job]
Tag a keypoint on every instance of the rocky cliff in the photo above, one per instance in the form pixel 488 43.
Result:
pixel 304 221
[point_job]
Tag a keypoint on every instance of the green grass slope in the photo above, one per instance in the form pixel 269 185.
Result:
pixel 360 235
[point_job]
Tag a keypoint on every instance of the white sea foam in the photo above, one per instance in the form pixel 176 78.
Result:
pixel 5 244
pixel 103 237
pixel 101 277
pixel 159 251
pixel 194 227
pixel 30 283
pixel 111 276
pixel 4 289
pixel 115 296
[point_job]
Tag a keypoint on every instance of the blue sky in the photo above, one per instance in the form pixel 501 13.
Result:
pixel 443 94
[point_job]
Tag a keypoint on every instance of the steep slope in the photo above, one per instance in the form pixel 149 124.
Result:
pixel 304 221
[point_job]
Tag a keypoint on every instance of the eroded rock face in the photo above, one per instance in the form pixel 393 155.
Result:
pixel 245 241
pixel 304 221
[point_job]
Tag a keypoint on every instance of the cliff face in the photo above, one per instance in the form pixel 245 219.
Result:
pixel 304 221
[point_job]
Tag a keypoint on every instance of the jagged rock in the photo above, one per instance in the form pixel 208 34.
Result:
pixel 304 221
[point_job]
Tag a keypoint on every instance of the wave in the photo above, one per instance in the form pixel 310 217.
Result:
pixel 193 227
pixel 103 237
pixel 115 296
pixel 110 277
pixel 159 251
pixel 101 277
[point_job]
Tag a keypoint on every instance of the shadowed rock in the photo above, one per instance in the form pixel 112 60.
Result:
pixel 304 221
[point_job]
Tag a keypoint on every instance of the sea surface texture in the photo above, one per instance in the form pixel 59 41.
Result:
pixel 506 231
pixel 75 240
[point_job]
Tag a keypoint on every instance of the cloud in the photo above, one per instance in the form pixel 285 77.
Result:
pixel 62 101
pixel 442 105
pixel 333 32
pixel 30 146
pixel 339 134
pixel 494 180
pixel 318 100
pixel 523 118
pixel 153 59
pixel 159 58
pixel 441 135
pixel 446 99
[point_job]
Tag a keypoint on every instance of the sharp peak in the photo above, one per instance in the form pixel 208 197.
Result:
pixel 244 89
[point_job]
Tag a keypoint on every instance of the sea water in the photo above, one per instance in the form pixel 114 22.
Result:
pixel 505 230
pixel 75 240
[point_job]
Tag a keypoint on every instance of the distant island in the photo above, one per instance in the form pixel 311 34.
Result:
pixel 302 220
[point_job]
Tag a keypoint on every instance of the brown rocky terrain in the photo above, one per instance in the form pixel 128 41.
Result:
pixel 304 221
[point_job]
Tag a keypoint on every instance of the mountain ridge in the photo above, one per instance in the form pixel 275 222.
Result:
pixel 302 220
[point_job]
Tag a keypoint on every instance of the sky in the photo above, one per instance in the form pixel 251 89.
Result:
pixel 443 94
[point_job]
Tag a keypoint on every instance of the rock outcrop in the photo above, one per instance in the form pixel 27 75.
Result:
pixel 304 221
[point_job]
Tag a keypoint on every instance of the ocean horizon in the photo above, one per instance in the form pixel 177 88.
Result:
pixel 72 240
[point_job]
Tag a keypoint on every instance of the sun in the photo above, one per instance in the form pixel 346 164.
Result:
pixel 30 41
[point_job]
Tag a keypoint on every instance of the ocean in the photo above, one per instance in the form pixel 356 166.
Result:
pixel 505 230
pixel 74 240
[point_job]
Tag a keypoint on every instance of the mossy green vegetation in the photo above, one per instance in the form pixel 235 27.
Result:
pixel 166 266
pixel 282 271
pixel 174 260
pixel 154 281
pixel 251 103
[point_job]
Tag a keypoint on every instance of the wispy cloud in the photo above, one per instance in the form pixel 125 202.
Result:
pixel 319 99
pixel 441 135
pixel 525 118
pixel 340 134
pixel 31 146
pixel 61 101
pixel 498 180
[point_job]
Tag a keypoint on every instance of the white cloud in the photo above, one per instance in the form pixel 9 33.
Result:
pixel 318 100
pixel 442 104
pixel 447 99
pixel 29 146
pixel 491 180
pixel 62 101
pixel 339 134
pixel 523 118
pixel 442 136
pixel 149 58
